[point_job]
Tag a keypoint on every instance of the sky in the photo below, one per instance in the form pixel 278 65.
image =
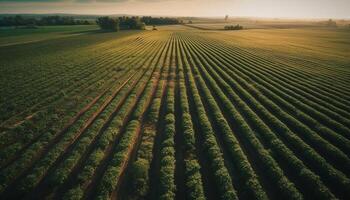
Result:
pixel 243 8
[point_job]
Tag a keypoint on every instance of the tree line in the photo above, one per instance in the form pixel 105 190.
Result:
pixel 104 22
pixel 135 22
pixel 124 23
pixel 160 20
pixel 18 20
pixel 232 27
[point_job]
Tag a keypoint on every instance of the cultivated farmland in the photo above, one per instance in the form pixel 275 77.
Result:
pixel 178 113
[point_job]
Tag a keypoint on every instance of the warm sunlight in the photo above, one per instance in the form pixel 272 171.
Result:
pixel 258 8
pixel 174 99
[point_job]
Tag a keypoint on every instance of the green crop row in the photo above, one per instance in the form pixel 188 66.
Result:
pixel 139 177
pixel 210 145
pixel 285 187
pixel 309 179
pixel 42 165
pixel 124 149
pixel 334 178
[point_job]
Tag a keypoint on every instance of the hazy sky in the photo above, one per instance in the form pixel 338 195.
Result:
pixel 259 8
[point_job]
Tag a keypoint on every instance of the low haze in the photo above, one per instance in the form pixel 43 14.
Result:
pixel 258 8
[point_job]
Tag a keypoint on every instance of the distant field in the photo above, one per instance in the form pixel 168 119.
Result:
pixel 177 113
pixel 251 25
pixel 10 36
pixel 219 24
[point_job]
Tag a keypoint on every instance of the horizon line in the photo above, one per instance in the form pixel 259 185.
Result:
pixel 178 16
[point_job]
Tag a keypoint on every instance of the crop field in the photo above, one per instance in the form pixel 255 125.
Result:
pixel 177 113
pixel 251 23
pixel 11 36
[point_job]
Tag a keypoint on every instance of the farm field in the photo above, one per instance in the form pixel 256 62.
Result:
pixel 251 23
pixel 12 36
pixel 177 113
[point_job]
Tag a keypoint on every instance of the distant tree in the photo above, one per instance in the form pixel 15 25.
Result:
pixel 121 23
pixel 18 20
pixel 141 26
pixel 226 17
pixel 190 22
pixel 160 20
pixel 232 27
pixel 131 23
pixel 107 23
pixel 104 22
pixel 57 20
pixel 331 23
pixel 81 22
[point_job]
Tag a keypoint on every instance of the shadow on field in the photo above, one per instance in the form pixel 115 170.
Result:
pixel 89 32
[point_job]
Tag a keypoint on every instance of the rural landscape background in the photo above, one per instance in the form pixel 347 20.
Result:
pixel 117 100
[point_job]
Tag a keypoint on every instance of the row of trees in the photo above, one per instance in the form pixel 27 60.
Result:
pixel 124 23
pixel 18 20
pixel 106 23
pixel 232 27
pixel 160 20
